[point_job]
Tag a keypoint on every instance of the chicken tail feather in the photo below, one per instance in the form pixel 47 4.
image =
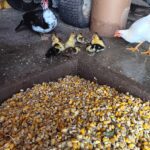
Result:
pixel 20 24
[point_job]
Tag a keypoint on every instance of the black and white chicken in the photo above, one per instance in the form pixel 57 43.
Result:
pixel 56 48
pixel 41 20
pixel 137 33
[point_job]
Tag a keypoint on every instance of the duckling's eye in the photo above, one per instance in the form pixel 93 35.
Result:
pixel 99 47
pixel 57 47
pixel 56 44
pixel 93 46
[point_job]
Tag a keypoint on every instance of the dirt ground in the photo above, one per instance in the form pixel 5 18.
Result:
pixel 22 55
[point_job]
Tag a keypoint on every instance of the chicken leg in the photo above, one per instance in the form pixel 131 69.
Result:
pixel 136 48
pixel 146 52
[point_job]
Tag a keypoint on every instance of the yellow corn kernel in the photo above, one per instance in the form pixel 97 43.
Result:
pixel 76 146
pixel 93 124
pixel 89 146
pixel 106 122
pixel 146 126
pixel 106 141
pixel 83 131
pixel 146 108
pixel 109 107
pixel 113 140
pixel 141 113
pixel 97 142
pixel 147 116
pixel 128 140
pixel 118 113
pixel 119 125
pixel 73 140
pixel 131 146
pixel 146 146
pixel 122 108
pixel 112 116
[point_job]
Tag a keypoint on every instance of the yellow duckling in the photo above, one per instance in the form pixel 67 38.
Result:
pixel 96 44
pixel 57 47
pixel 71 41
pixel 57 41
pixel 70 44
pixel 80 38
pixel 97 40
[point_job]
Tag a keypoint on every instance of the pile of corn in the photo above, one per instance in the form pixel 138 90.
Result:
pixel 74 114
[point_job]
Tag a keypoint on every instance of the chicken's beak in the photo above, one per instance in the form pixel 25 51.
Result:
pixel 117 34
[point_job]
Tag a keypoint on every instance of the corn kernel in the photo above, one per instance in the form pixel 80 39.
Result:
pixel 131 146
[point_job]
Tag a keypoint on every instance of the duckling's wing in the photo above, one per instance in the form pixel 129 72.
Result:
pixel 52 51
pixel 102 43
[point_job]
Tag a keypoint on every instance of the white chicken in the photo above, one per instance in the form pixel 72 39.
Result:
pixel 139 32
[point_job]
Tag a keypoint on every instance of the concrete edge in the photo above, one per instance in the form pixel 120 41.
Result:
pixel 106 76
pixel 67 68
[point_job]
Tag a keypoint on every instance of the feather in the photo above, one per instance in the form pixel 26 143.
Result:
pixel 138 32
pixel 53 51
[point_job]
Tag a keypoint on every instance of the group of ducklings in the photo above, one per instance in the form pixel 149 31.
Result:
pixel 58 47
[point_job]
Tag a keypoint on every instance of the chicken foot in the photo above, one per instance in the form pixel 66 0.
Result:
pixel 146 52
pixel 136 48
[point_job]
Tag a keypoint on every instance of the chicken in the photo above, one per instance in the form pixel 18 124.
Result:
pixel 41 20
pixel 57 47
pixel 70 44
pixel 81 39
pixel 137 33
pixel 96 44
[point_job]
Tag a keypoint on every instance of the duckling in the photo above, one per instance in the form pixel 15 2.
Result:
pixel 57 47
pixel 81 39
pixel 97 40
pixel 71 41
pixel 53 51
pixel 70 44
pixel 96 44
pixel 55 39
